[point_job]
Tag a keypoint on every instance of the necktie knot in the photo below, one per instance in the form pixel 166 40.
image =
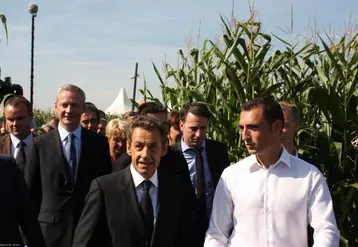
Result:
pixel 22 144
pixel 147 184
pixel 70 137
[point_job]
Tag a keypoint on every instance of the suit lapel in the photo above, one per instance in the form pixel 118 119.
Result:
pixel 61 156
pixel 129 192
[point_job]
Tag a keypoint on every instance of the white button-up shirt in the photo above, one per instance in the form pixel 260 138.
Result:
pixel 256 207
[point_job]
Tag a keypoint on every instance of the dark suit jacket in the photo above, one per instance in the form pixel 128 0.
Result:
pixel 217 156
pixel 60 202
pixel 111 216
pixel 218 160
pixel 16 207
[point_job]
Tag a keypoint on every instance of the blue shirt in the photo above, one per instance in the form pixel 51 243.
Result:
pixel 77 140
pixel 190 157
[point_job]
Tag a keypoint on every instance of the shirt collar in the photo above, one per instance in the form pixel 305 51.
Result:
pixel 138 179
pixel 64 133
pixel 185 146
pixel 284 158
pixel 15 141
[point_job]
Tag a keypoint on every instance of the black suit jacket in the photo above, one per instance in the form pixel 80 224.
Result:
pixel 60 202
pixel 16 207
pixel 218 160
pixel 111 216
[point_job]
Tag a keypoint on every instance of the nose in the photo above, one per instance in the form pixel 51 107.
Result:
pixel 145 152
pixel 245 134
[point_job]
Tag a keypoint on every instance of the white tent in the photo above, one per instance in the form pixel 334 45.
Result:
pixel 121 104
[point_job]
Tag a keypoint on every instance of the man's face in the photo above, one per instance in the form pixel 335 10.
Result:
pixel 69 108
pixel 18 120
pixel 89 121
pixel 289 128
pixel 117 144
pixel 256 132
pixel 146 149
pixel 194 130
pixel 101 129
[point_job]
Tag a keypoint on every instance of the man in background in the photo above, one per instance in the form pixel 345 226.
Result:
pixel 61 166
pixel 205 160
pixel 90 117
pixel 17 115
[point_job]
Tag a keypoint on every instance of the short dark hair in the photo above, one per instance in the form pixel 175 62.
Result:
pixel 196 108
pixel 16 100
pixel 272 109
pixel 148 123
pixel 90 107
pixel 101 114
pixel 151 107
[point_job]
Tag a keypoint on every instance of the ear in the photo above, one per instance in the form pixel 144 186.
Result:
pixel 297 125
pixel 181 125
pixel 277 127
pixel 129 151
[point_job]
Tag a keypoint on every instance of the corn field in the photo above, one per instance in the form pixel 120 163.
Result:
pixel 321 79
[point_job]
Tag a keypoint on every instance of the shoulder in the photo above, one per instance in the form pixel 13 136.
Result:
pixel 6 159
pixel 302 167
pixel 215 143
pixel 49 136
pixel 110 180
pixel 240 168
pixel 94 136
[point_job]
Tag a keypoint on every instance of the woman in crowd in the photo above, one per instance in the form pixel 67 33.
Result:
pixel 175 133
pixel 116 134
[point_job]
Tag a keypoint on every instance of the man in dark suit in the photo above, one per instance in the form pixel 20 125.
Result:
pixel 172 162
pixel 16 207
pixel 60 167
pixel 206 159
pixel 139 205
pixel 18 115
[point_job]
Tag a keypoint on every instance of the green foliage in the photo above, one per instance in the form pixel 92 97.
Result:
pixel 320 79
pixel 41 117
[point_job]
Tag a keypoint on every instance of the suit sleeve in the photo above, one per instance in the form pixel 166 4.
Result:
pixel 32 175
pixel 92 228
pixel 25 208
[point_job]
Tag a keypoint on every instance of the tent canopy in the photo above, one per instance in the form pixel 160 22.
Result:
pixel 121 104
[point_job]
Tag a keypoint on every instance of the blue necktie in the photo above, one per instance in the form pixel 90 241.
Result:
pixel 71 155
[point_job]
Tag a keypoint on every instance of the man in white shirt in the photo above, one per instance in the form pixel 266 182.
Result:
pixel 269 198
pixel 18 115
pixel 138 205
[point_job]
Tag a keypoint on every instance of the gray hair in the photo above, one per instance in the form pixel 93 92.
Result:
pixel 72 88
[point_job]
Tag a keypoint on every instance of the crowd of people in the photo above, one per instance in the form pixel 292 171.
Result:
pixel 153 178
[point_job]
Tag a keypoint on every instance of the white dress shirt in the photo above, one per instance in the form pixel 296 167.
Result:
pixel 153 192
pixel 257 207
pixel 63 137
pixel 15 147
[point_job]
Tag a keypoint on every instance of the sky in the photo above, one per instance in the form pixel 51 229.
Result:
pixel 95 43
